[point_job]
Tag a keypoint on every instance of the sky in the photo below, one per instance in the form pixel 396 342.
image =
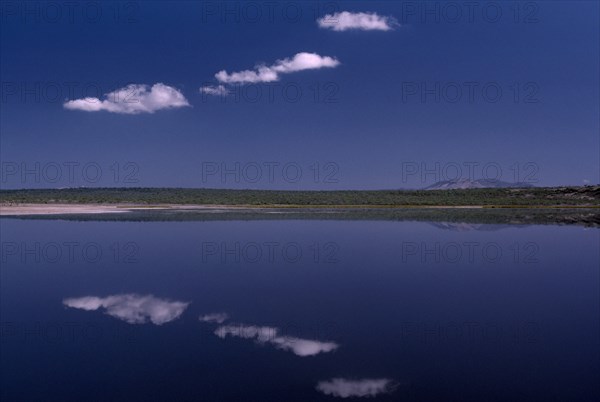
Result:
pixel 298 95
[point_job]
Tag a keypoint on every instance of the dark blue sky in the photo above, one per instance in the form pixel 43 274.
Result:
pixel 386 115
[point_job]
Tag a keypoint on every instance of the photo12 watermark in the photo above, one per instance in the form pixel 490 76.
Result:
pixel 270 172
pixel 266 12
pixel 66 332
pixel 470 92
pixel 292 332
pixel 469 253
pixel 68 173
pixel 326 92
pixel 469 12
pixel 269 252
pixel 69 12
pixel 90 93
pixel 476 172
pixel 69 252
pixel 470 331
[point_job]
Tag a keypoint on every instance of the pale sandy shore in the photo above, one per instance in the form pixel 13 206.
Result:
pixel 70 209
pixel 67 209
pixel 57 209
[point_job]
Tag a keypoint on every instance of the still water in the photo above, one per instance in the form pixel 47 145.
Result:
pixel 298 310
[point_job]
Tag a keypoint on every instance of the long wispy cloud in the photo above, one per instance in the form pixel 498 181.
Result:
pixel 132 99
pixel 345 20
pixel 263 73
pixel 132 308
pixel 344 388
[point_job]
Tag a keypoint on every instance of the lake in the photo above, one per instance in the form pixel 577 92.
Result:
pixel 298 310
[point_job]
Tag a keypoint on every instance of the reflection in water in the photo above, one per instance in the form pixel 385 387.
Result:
pixel 263 335
pixel 344 388
pixel 132 308
pixel 413 341
pixel 216 318
pixel 467 227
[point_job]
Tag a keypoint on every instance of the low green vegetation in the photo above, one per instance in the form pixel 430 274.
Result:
pixel 502 197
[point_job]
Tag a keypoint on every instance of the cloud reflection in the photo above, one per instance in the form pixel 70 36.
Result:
pixel 132 308
pixel 217 318
pixel 344 388
pixel 270 335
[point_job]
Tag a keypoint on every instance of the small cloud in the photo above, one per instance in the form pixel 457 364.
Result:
pixel 218 318
pixel 343 21
pixel 263 335
pixel 344 388
pixel 132 308
pixel 586 181
pixel 218 90
pixel 132 99
pixel 300 61
pixel 304 61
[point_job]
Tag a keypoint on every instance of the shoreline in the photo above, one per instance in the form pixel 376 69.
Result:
pixel 28 209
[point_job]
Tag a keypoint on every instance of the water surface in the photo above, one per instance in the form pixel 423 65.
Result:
pixel 298 310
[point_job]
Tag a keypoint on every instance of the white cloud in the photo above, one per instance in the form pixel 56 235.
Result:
pixel 300 61
pixel 344 388
pixel 263 335
pixel 262 74
pixel 343 21
pixel 132 308
pixel 132 99
pixel 218 318
pixel 218 90
pixel 304 61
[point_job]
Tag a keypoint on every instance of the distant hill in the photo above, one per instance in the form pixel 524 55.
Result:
pixel 460 184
